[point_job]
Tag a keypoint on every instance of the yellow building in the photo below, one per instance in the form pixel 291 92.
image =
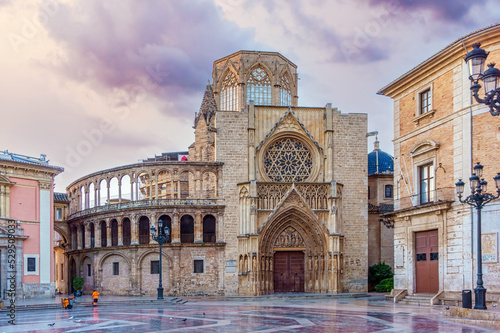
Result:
pixel 440 132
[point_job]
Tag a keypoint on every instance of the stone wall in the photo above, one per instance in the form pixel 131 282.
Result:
pixel 350 168
pixel 232 149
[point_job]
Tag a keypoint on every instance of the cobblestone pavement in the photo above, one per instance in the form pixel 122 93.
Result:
pixel 198 315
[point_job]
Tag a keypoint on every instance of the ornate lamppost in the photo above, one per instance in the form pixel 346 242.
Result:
pixel 478 199
pixel 162 238
pixel 475 60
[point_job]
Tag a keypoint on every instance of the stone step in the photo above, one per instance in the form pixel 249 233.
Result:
pixel 42 306
pixel 424 298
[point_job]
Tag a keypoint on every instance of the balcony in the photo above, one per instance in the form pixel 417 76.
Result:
pixel 440 195
pixel 145 204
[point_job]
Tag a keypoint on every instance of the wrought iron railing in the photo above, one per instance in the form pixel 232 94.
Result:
pixel 425 199
pixel 144 203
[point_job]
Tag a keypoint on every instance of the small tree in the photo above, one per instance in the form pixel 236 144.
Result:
pixel 385 286
pixel 377 273
pixel 78 282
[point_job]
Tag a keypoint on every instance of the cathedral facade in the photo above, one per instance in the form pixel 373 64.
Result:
pixel 271 197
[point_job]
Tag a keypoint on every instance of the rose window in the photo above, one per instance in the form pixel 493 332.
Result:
pixel 288 160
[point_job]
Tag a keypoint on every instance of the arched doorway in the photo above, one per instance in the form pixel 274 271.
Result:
pixel 293 251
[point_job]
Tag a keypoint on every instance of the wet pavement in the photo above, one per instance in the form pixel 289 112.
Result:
pixel 201 315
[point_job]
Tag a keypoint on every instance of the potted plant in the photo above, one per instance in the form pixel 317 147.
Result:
pixel 78 282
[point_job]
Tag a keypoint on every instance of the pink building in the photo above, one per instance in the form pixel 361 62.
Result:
pixel 27 222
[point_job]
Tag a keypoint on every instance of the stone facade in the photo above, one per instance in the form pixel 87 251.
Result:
pixel 263 177
pixel 433 150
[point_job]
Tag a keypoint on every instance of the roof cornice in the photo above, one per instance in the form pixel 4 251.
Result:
pixel 450 54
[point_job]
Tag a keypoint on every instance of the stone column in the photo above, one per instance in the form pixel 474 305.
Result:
pixel 96 196
pixel 176 230
pixel 76 237
pixel 198 228
pixel 108 230
pixel 134 230
pixel 219 227
pixel 132 190
pixel 120 191
pixel 152 221
pixel 219 182
pixel 87 235
pixel 156 187
pixel 197 185
pixel 97 233
pixel 107 186
pixel 98 199
pixel 120 232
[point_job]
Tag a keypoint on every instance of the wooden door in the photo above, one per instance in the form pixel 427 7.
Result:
pixel 288 271
pixel 427 261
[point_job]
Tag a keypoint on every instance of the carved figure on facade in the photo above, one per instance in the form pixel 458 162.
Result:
pixel 289 238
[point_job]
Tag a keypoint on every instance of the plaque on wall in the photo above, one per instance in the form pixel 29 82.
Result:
pixel 399 256
pixel 489 247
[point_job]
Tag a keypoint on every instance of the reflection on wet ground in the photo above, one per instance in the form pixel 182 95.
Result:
pixel 352 315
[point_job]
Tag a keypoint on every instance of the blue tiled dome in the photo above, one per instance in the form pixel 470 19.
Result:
pixel 385 163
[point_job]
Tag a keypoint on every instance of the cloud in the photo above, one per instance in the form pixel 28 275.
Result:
pixel 159 48
pixel 450 10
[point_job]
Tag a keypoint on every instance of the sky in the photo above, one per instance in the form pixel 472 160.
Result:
pixel 98 84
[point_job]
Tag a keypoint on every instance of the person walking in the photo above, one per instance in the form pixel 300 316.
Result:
pixel 95 296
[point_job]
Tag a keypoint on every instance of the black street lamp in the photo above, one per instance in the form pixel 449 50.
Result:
pixel 478 199
pixel 162 238
pixel 475 60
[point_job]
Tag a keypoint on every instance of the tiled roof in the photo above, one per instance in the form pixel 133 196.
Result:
pixel 380 162
pixel 58 196
pixel 42 161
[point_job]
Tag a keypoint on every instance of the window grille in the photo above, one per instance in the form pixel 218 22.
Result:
pixel 229 98
pixel 425 101
pixel 259 87
pixel 285 91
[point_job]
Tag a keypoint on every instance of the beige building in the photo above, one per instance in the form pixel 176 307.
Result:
pixel 440 133
pixel 380 201
pixel 271 198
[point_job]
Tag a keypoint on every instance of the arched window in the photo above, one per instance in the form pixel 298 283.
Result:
pixel 82 232
pixel 82 198
pixel 209 229
pixel 229 97
pixel 285 91
pixel 114 233
pixel 167 222
pixel 92 235
pixel 126 231
pixel 92 196
pixel 259 87
pixel 187 229
pixel 143 230
pixel 104 234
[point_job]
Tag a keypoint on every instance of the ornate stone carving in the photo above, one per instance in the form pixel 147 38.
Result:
pixel 288 160
pixel 289 238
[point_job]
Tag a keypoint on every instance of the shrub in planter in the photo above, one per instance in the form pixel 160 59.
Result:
pixel 78 282
pixel 386 285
